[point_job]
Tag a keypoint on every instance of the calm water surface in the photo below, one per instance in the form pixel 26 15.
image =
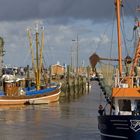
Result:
pixel 75 120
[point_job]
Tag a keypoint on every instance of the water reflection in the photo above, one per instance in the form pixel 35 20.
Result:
pixel 72 120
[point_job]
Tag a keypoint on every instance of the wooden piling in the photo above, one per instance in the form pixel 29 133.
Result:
pixel 88 78
pixel 73 86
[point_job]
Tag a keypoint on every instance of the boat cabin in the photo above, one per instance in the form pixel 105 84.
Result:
pixel 126 101
pixel 13 87
pixel 126 94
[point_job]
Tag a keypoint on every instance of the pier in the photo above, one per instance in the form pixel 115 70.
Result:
pixel 72 84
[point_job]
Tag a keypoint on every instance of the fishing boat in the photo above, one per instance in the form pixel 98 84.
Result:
pixel 121 119
pixel 23 91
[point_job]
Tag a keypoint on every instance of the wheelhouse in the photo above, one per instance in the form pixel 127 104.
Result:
pixel 126 101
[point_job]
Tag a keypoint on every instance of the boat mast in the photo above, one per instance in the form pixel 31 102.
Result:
pixel 41 51
pixel 41 67
pixel 37 66
pixel 118 4
pixel 31 49
pixel 37 59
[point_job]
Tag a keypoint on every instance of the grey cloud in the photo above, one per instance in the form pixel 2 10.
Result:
pixel 63 9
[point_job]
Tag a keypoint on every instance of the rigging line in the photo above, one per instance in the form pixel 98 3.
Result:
pixel 134 44
pixel 130 40
pixel 123 15
pixel 136 39
pixel 123 35
pixel 123 31
pixel 29 54
pixel 26 59
pixel 112 35
pixel 106 63
pixel 49 53
pixel 44 62
pixel 99 43
pixel 130 8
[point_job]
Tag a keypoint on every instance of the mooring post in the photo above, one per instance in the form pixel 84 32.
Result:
pixel 88 73
pixel 82 83
pixel 68 80
pixel 74 90
pixel 78 84
pixel 50 75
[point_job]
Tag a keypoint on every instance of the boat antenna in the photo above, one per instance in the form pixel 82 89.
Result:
pixel 118 4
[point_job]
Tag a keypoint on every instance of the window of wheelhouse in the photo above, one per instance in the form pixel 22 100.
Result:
pixel 124 105
pixel 137 105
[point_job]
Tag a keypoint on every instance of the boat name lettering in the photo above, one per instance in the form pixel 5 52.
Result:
pixel 135 125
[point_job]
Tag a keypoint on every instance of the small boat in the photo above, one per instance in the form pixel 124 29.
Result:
pixel 14 93
pixel 121 120
pixel 24 91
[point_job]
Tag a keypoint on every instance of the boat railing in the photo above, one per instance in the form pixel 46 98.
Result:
pixel 127 82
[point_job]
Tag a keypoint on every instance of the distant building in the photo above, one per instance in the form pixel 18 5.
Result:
pixel 57 69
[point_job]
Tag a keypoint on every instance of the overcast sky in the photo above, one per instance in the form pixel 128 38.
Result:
pixel 81 9
pixel 63 20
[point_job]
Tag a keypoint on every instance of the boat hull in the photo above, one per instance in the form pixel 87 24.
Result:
pixel 119 127
pixel 43 98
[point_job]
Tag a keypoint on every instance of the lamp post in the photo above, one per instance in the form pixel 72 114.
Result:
pixel 72 58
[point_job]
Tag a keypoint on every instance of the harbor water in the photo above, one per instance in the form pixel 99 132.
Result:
pixel 69 120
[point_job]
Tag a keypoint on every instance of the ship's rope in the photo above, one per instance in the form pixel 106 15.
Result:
pixel 130 9
pixel 107 27
pixel 112 36
pixel 97 49
pixel 111 46
pixel 28 54
pixel 123 32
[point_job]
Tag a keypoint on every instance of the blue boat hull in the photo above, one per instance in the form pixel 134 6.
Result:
pixel 119 127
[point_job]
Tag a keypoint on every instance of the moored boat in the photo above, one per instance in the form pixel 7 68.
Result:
pixel 23 91
pixel 122 121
